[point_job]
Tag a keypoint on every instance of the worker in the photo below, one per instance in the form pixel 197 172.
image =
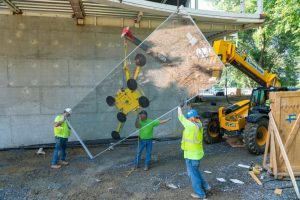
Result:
pixel 267 103
pixel 191 144
pixel 146 126
pixel 61 133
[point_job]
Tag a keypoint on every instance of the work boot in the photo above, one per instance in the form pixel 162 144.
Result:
pixel 55 166
pixel 63 162
pixel 135 167
pixel 146 168
pixel 196 196
pixel 208 191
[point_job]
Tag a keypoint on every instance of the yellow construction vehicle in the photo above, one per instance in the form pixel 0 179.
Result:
pixel 247 118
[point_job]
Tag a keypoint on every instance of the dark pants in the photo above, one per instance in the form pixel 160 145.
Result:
pixel 142 145
pixel 60 150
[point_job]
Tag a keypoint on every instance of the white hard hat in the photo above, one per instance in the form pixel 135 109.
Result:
pixel 68 110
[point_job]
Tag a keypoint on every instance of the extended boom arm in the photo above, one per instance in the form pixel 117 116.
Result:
pixel 228 54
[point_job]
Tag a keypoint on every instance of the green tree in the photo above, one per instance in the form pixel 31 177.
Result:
pixel 275 45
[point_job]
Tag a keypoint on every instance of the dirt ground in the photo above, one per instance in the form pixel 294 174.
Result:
pixel 25 175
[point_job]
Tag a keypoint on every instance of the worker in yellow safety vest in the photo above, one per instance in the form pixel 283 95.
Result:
pixel 267 103
pixel 61 133
pixel 191 144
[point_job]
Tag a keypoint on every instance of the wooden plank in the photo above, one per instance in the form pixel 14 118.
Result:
pixel 286 160
pixel 266 151
pixel 278 191
pixel 273 154
pixel 255 178
pixel 235 142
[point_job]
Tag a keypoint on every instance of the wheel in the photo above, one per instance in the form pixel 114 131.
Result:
pixel 110 100
pixel 132 84
pixel 121 117
pixel 140 60
pixel 255 136
pixel 115 135
pixel 212 131
pixel 144 102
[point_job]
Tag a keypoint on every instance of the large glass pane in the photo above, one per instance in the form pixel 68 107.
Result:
pixel 174 63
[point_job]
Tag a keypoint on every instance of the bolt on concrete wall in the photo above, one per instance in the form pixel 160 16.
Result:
pixel 47 64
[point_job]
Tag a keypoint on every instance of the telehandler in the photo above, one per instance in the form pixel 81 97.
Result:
pixel 248 118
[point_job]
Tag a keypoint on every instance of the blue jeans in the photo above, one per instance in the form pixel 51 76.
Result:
pixel 142 145
pixel 60 150
pixel 199 184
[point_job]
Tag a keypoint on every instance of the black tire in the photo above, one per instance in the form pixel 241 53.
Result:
pixel 110 101
pixel 132 84
pixel 144 102
pixel 140 60
pixel 121 117
pixel 115 135
pixel 212 131
pixel 255 136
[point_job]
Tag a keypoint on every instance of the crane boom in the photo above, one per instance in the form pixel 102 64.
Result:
pixel 228 53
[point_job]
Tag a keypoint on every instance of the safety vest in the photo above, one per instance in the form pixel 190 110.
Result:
pixel 192 141
pixel 267 103
pixel 63 130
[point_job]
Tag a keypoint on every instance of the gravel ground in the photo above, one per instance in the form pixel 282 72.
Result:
pixel 24 175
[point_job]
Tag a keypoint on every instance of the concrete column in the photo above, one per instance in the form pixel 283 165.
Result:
pixel 260 7
pixel 242 6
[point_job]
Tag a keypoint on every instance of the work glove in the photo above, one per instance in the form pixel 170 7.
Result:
pixel 182 104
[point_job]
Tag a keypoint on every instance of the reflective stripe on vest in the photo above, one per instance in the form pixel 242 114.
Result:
pixel 267 103
pixel 194 141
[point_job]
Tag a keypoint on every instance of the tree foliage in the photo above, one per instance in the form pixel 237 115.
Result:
pixel 275 45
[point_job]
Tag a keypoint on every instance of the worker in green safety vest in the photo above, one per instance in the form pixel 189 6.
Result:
pixel 61 133
pixel 191 144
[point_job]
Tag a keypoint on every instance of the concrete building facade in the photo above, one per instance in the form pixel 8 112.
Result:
pixel 47 64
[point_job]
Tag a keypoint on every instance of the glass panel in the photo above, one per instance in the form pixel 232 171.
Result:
pixel 174 63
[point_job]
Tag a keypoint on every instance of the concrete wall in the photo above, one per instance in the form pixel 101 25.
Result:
pixel 47 64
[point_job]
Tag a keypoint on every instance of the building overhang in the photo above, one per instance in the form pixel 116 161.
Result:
pixel 133 13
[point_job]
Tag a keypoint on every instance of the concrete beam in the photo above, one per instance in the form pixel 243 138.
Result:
pixel 12 7
pixel 166 10
pixel 77 8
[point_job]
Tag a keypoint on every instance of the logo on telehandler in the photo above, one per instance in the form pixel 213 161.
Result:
pixel 230 124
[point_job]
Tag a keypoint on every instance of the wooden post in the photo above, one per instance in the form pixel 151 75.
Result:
pixel 273 153
pixel 266 151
